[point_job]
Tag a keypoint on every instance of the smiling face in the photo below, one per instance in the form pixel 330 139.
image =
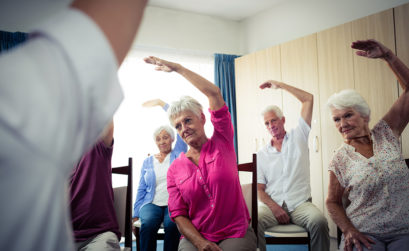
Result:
pixel 350 123
pixel 274 124
pixel 190 127
pixel 164 142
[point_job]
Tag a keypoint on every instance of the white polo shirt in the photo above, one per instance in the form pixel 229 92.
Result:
pixel 286 174
pixel 57 92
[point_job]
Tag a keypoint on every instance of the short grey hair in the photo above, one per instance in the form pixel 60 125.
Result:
pixel 166 128
pixel 349 98
pixel 185 103
pixel 273 108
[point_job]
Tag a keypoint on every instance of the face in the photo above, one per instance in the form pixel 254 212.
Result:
pixel 164 142
pixel 190 127
pixel 350 123
pixel 274 124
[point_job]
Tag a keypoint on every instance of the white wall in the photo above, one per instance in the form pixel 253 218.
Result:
pixel 160 27
pixel 296 18
pixel 188 31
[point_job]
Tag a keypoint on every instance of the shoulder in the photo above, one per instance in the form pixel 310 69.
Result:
pixel 339 158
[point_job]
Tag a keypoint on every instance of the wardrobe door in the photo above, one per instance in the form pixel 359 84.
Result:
pixel 373 78
pixel 268 68
pixel 251 71
pixel 245 105
pixel 336 72
pixel 402 50
pixel 299 68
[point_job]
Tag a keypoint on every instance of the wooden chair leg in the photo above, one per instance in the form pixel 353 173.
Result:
pixel 137 237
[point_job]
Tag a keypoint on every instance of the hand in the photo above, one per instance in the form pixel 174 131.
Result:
pixel 208 246
pixel 371 49
pixel 270 84
pixel 133 221
pixel 354 238
pixel 154 102
pixel 281 215
pixel 162 65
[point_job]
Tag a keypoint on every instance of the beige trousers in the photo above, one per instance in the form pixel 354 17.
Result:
pixel 306 215
pixel 248 243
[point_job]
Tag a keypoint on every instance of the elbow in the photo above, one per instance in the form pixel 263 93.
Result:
pixel 310 97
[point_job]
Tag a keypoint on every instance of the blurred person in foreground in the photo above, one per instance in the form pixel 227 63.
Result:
pixel 59 90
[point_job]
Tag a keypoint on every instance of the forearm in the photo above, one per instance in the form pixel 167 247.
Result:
pixel 306 99
pixel 211 91
pixel 338 215
pixel 190 232
pixel 301 95
pixel 400 70
pixel 266 199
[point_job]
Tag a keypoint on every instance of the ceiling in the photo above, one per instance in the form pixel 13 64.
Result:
pixel 228 9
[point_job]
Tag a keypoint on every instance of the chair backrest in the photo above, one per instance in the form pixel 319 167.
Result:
pixel 123 203
pixel 250 190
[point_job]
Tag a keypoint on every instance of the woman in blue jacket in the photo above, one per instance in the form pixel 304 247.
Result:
pixel 151 205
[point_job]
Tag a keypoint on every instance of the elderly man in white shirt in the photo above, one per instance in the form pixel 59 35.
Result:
pixel 283 174
pixel 58 91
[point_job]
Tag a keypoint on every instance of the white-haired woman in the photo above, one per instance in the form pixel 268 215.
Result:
pixel 151 205
pixel 369 167
pixel 205 197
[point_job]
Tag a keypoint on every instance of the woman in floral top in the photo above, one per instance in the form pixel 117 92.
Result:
pixel 369 167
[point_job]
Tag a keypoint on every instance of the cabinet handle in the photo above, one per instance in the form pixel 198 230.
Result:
pixel 315 144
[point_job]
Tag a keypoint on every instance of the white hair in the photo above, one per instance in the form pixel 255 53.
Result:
pixel 349 98
pixel 185 103
pixel 166 128
pixel 273 108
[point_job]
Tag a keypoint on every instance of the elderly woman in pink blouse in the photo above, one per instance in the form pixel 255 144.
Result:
pixel 205 197
pixel 369 167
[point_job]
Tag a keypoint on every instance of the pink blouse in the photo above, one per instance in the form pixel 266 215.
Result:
pixel 379 185
pixel 210 194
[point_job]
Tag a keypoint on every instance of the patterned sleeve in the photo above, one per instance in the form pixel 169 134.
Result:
pixel 337 166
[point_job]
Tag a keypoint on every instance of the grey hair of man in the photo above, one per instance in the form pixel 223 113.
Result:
pixel 166 128
pixel 349 98
pixel 273 108
pixel 185 103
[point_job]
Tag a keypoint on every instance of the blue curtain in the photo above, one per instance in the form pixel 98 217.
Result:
pixel 10 39
pixel 224 78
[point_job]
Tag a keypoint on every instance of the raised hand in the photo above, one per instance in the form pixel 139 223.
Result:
pixel 271 84
pixel 162 65
pixel 354 238
pixel 370 49
pixel 154 102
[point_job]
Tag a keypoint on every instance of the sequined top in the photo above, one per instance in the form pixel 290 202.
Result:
pixel 379 185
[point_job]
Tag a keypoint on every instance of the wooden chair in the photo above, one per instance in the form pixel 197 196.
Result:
pixel 123 204
pixel 250 190
pixel 288 234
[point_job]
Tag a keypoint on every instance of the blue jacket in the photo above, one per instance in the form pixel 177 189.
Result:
pixel 147 182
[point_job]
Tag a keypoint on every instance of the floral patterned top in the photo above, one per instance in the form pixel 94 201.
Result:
pixel 379 186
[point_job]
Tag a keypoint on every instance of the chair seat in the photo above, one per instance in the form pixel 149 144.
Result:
pixel 138 224
pixel 289 230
